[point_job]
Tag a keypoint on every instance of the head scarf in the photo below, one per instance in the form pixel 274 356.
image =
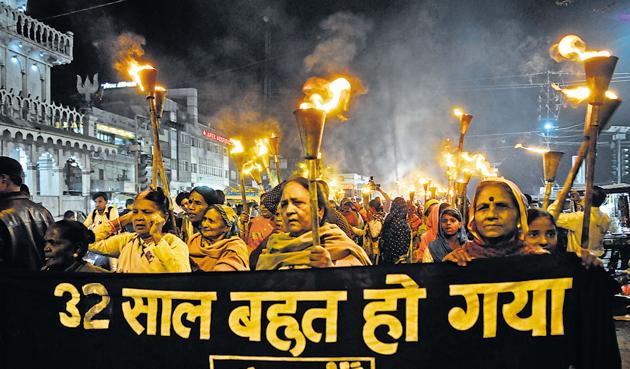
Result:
pixel 430 202
pixel 478 248
pixel 208 194
pixel 229 217
pixel 439 247
pixel 396 234
pixel 272 198
pixel 433 225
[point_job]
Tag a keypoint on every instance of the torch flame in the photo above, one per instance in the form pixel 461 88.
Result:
pixel 237 146
pixel 261 147
pixel 580 93
pixel 326 96
pixel 251 166
pixel 478 164
pixel 134 72
pixel 572 47
pixel 537 150
pixel 611 95
pixel 458 112
pixel 304 168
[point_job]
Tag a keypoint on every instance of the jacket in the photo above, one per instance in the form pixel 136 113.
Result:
pixel 23 224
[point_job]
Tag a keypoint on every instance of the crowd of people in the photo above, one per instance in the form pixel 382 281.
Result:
pixel 208 235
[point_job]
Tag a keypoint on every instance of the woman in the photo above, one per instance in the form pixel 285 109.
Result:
pixel 271 202
pixel 217 248
pixel 294 249
pixel 66 243
pixel 396 234
pixel 149 249
pixel 451 236
pixel 542 232
pixel 498 223
pixel 432 216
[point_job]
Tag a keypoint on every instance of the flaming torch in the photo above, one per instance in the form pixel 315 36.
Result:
pixel 321 98
pixel 426 183
pixel 145 77
pixel 464 124
pixel 254 170
pixel 274 147
pixel 262 151
pixel 238 155
pixel 599 67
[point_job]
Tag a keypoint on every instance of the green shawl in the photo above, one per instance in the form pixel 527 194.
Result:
pixel 284 250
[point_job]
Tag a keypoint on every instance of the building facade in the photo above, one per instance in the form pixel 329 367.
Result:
pixel 69 153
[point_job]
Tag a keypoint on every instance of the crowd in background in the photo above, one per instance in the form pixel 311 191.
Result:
pixel 205 234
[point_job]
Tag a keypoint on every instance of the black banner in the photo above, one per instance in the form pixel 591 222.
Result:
pixel 526 312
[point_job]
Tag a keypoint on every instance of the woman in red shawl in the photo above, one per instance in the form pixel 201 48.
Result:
pixel 498 223
pixel 433 226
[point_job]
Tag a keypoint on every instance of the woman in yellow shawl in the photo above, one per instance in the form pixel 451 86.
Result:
pixel 294 248
pixel 217 248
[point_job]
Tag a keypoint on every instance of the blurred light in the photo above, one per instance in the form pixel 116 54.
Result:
pixel 548 126
pixel 14 59
pixel 34 67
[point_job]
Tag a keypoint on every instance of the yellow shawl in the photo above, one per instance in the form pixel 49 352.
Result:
pixel 284 250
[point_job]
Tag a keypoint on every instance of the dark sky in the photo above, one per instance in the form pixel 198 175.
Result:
pixel 417 59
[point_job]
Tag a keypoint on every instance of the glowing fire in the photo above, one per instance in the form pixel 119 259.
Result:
pixel 134 72
pixel 237 147
pixel 581 93
pixel 304 169
pixel 537 150
pixel 458 112
pixel 450 160
pixel 572 47
pixel 611 95
pixel 261 147
pixel 478 164
pixel 250 167
pixel 325 95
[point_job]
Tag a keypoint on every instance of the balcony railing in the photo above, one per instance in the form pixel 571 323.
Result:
pixel 18 23
pixel 35 111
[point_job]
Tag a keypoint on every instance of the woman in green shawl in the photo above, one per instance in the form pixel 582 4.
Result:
pixel 294 248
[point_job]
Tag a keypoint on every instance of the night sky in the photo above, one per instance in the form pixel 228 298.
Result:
pixel 416 58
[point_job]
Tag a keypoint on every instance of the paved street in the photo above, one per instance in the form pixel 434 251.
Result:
pixel 623 338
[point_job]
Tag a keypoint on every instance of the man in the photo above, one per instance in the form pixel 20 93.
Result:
pixel 102 213
pixel 23 223
pixel 572 222
pixel 70 215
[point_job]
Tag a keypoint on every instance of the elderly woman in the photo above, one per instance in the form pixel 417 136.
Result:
pixel 66 243
pixel 294 248
pixel 149 248
pixel 217 248
pixel 498 223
